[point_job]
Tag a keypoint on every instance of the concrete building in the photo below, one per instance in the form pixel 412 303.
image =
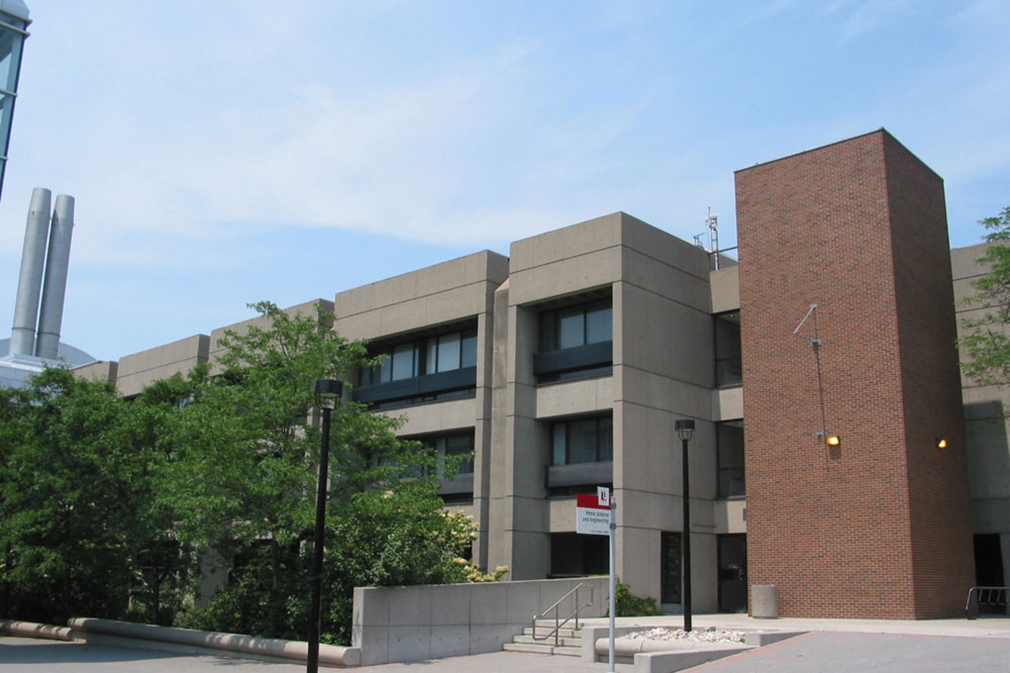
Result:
pixel 563 367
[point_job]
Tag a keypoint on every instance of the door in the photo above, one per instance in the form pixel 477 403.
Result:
pixel 733 573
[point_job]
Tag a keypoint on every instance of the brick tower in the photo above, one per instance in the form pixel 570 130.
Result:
pixel 878 526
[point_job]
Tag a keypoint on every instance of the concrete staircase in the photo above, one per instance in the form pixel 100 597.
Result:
pixel 569 640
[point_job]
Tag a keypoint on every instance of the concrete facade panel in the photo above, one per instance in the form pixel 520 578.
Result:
pixel 571 398
pixel 139 370
pixel 436 417
pixel 572 241
pixel 727 404
pixel 665 337
pixel 567 276
pixel 725 285
pixel 641 269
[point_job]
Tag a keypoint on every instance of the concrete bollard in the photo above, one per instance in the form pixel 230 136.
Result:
pixel 764 601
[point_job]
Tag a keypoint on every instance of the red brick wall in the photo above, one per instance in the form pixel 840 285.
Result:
pixel 844 532
pixel 942 561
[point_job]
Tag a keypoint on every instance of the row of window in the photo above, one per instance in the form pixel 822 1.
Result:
pixel 574 342
pixel 587 440
pixel 442 353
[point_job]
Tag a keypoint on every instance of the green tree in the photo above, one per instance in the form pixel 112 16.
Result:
pixel 987 341
pixel 78 524
pixel 105 502
pixel 245 479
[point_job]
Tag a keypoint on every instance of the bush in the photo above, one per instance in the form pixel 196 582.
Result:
pixel 629 605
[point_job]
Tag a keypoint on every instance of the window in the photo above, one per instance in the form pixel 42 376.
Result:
pixel 441 353
pixel 575 326
pixel 585 440
pixel 728 361
pixel 423 369
pixel 459 489
pixel 669 568
pixel 458 444
pixel 731 460
pixel 575 341
pixel 451 351
pixel 453 445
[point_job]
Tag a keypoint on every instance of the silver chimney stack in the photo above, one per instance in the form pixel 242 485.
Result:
pixel 55 289
pixel 33 255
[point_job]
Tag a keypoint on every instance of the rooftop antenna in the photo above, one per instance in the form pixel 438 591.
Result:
pixel 712 222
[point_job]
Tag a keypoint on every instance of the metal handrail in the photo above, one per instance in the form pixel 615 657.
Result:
pixel 558 622
pixel 988 596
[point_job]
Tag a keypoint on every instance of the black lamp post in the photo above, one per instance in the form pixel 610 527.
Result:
pixel 327 395
pixel 685 428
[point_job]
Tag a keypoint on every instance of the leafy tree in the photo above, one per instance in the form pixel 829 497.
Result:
pixel 246 473
pixel 987 341
pixel 77 518
pixel 105 502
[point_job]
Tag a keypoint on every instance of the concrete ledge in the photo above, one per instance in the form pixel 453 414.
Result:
pixel 762 638
pixel 667 662
pixel 228 642
pixel 591 635
pixel 628 647
pixel 33 630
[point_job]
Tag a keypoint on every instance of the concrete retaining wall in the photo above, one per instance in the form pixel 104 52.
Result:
pixel 34 630
pixel 397 624
pixel 85 627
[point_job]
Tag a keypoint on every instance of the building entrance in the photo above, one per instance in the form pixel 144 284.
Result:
pixel 732 573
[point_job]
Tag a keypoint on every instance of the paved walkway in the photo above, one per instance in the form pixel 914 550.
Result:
pixel 832 652
pixel 833 646
pixel 27 655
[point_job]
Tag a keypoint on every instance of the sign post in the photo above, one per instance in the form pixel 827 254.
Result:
pixel 595 515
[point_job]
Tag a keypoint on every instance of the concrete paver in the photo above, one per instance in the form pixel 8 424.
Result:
pixel 827 652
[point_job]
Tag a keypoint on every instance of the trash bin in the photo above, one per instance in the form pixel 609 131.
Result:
pixel 764 601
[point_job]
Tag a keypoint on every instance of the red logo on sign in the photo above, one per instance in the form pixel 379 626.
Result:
pixel 589 501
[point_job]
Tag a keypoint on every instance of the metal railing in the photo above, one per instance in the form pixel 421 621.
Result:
pixel 558 622
pixel 986 596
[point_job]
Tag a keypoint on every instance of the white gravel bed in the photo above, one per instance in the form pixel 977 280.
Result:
pixel 709 635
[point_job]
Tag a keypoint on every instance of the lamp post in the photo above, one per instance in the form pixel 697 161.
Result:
pixel 327 395
pixel 685 428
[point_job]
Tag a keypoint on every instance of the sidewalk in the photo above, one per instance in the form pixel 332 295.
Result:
pixel 824 650
pixel 983 627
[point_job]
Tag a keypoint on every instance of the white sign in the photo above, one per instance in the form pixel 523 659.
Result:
pixel 592 515
pixel 603 495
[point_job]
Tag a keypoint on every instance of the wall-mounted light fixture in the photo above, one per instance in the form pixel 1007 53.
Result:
pixel 830 440
pixel 941 442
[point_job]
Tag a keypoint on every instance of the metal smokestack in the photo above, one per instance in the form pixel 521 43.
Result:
pixel 33 256
pixel 55 289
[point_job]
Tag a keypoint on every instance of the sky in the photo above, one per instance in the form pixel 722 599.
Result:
pixel 223 152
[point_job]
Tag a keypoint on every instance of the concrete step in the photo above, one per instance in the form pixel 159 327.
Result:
pixel 543 649
pixel 563 641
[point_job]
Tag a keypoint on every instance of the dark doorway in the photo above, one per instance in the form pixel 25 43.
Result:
pixel 669 568
pixel 574 555
pixel 989 568
pixel 733 573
